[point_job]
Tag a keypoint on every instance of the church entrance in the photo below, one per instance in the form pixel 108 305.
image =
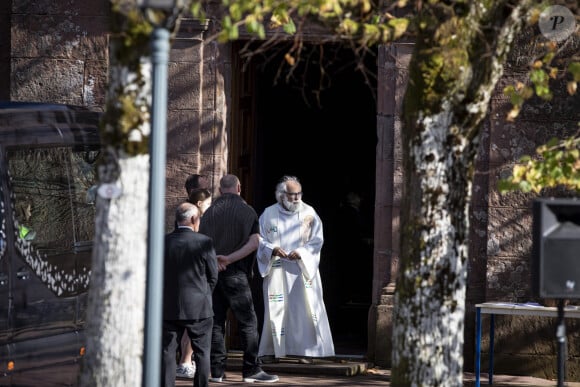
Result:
pixel 317 122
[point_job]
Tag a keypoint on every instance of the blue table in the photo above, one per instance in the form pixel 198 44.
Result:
pixel 493 308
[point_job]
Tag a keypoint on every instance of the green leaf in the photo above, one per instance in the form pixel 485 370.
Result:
pixel 538 76
pixel 252 25
pixel 399 26
pixel 525 186
pixel 290 27
pixel 235 11
pixel 348 26
pixel 371 33
pixel 234 33
pixel 261 31
pixel 552 142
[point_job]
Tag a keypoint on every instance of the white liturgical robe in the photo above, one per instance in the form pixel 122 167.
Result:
pixel 295 319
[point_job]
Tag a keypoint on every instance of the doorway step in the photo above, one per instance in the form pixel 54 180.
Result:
pixel 345 365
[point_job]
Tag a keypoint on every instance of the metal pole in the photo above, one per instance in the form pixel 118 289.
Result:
pixel 561 340
pixel 156 233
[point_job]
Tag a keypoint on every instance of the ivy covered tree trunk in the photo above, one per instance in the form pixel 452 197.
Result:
pixel 116 305
pixel 459 53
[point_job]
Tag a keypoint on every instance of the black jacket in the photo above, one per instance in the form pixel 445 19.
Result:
pixel 190 275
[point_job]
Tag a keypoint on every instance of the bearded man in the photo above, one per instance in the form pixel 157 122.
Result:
pixel 291 238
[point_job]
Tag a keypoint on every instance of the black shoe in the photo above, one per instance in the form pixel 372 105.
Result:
pixel 261 377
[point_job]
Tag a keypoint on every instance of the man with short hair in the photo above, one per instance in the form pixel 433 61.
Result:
pixel 233 226
pixel 195 184
pixel 190 276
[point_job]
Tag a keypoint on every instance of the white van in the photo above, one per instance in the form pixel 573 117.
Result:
pixel 48 159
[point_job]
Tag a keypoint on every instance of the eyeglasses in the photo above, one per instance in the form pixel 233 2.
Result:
pixel 293 194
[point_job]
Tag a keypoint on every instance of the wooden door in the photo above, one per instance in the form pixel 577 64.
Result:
pixel 242 159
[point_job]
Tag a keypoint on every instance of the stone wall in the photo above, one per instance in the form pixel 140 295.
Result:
pixel 5 49
pixel 198 93
pixel 523 345
pixel 58 52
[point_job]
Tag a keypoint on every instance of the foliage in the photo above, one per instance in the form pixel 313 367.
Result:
pixel 557 164
pixel 542 71
pixel 361 19
pixel 367 24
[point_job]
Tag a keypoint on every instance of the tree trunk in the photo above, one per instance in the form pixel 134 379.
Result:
pixel 116 304
pixel 459 53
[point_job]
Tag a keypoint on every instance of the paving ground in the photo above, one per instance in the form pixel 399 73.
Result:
pixel 352 373
pixel 376 378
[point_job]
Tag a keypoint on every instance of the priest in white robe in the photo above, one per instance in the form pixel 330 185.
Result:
pixel 291 238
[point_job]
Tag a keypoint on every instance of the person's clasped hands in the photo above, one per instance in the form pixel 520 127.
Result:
pixel 292 256
pixel 223 261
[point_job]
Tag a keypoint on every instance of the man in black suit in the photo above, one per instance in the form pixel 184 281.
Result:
pixel 190 276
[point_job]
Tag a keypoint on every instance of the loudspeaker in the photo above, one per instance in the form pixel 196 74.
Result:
pixel 556 248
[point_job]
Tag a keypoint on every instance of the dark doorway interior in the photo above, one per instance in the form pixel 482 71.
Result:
pixel 319 123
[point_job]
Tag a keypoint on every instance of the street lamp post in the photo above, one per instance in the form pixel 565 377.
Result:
pixel 163 15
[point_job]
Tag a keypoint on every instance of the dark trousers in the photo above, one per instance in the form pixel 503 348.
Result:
pixel 199 332
pixel 234 292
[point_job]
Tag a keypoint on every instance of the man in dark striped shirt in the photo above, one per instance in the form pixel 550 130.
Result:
pixel 233 226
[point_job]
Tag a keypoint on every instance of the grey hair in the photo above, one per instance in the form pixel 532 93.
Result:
pixel 186 211
pixel 281 186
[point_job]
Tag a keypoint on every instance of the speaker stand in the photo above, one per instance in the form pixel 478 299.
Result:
pixel 561 341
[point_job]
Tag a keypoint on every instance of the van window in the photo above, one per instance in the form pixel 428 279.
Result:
pixel 55 213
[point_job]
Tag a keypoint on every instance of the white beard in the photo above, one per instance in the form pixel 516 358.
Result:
pixel 291 206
